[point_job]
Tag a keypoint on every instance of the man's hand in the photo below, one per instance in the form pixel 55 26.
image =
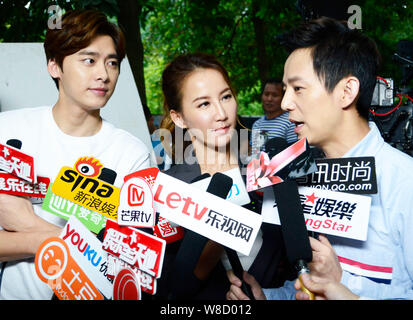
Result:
pixel 325 262
pixel 16 214
pixel 24 231
pixel 235 292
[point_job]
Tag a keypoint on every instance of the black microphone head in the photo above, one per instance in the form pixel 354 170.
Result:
pixel 220 185
pixel 101 235
pixel 292 221
pixel 275 145
pixel 201 177
pixel 107 175
pixel 15 143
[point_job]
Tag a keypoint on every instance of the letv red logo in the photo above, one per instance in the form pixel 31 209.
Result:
pixel 136 195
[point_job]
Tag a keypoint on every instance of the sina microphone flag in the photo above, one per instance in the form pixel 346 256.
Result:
pixel 85 185
pixel 64 208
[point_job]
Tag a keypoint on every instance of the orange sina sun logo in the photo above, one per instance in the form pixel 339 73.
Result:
pixel 88 166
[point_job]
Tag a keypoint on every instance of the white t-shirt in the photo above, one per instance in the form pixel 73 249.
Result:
pixel 52 149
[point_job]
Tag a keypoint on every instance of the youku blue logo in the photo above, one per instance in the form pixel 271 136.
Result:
pixel 83 246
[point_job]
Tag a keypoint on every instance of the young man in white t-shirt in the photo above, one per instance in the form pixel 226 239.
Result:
pixel 84 59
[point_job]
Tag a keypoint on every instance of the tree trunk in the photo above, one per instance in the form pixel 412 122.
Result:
pixel 128 19
pixel 259 30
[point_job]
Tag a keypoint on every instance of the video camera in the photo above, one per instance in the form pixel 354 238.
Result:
pixel 395 122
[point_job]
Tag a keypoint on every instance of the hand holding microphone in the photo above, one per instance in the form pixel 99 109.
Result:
pixel 236 292
pixel 323 289
pixel 325 262
pixel 16 213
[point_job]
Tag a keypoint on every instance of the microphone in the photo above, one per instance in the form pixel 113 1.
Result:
pixel 291 215
pixel 238 271
pixel 193 244
pixel 275 145
pixel 215 188
pixel 101 234
pixel 201 177
pixel 15 143
pixel 219 187
pixel 293 227
pixel 107 175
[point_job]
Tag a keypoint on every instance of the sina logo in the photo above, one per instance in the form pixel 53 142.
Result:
pixel 84 177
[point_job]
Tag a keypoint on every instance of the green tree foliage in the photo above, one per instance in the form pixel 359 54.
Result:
pixel 226 29
pixel 26 21
pixel 388 23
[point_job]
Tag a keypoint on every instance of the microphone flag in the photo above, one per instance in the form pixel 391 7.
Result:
pixel 17 163
pixel 82 186
pixel 269 169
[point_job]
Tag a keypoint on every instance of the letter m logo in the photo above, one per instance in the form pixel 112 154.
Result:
pixel 136 195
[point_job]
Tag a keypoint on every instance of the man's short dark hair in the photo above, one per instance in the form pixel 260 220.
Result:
pixel 79 28
pixel 338 52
